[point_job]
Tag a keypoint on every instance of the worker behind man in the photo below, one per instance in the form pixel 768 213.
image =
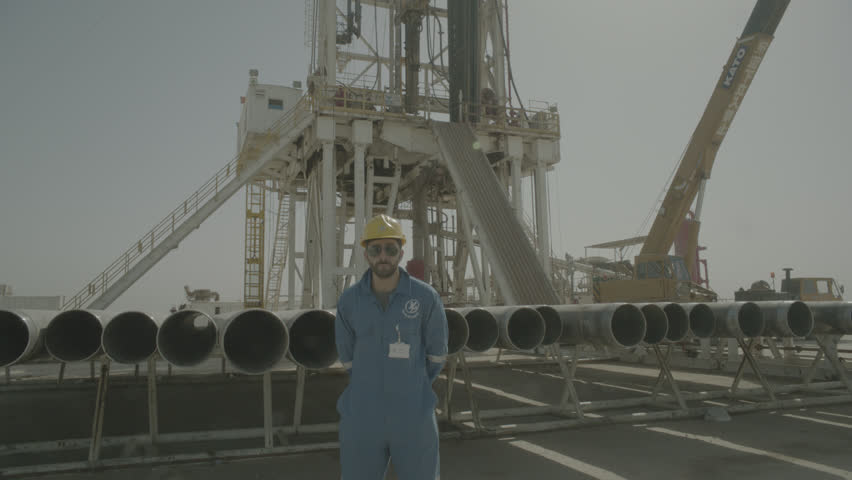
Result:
pixel 391 334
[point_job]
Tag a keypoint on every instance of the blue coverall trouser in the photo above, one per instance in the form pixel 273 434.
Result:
pixel 411 443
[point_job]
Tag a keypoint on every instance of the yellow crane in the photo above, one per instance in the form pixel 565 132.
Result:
pixel 658 276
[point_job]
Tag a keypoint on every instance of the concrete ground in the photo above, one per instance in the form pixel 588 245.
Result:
pixel 804 442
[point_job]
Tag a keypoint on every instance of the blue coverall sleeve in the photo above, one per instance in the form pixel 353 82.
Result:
pixel 436 339
pixel 344 337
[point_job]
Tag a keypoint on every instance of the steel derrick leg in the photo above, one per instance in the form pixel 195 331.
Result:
pixel 568 390
pixel 827 345
pixel 153 415
pixel 748 357
pixel 100 406
pixel 666 375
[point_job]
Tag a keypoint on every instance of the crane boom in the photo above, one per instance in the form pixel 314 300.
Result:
pixel 697 160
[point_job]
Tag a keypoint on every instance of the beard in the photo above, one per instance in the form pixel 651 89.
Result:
pixel 384 270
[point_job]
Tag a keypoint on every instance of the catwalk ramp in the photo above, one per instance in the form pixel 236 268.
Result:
pixel 482 199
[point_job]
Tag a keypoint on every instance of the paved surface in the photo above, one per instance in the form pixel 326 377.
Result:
pixel 811 442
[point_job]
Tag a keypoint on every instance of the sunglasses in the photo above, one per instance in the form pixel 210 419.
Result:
pixel 390 250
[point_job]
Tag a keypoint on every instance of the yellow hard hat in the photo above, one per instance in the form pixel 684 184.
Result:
pixel 382 226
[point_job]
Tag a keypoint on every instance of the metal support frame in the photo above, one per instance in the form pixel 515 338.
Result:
pixel 267 410
pixel 301 373
pixel 476 416
pixel 755 367
pixel 666 375
pixel 454 361
pixel 829 350
pixel 568 390
pixel 153 414
pixel 98 417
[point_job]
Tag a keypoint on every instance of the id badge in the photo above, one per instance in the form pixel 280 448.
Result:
pixel 399 350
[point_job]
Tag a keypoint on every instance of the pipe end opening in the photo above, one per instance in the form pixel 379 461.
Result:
pixel 526 328
pixel 678 322
pixel 628 325
pixel 482 328
pixel 312 340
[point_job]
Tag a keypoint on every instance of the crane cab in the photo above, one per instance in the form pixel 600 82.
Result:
pixel 656 278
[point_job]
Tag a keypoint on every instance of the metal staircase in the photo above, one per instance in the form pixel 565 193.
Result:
pixel 255 229
pixel 108 285
pixel 482 199
pixel 279 253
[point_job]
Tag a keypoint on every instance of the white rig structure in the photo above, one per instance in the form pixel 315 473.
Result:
pixel 371 135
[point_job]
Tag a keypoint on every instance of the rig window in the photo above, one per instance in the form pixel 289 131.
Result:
pixel 275 104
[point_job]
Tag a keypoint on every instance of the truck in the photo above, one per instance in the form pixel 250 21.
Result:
pixel 807 289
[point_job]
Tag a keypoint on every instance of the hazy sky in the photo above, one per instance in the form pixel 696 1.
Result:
pixel 113 111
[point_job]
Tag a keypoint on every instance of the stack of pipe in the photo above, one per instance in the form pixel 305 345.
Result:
pixel 311 334
pixel 255 340
pixel 602 324
pixel 737 319
pixel 702 322
pixel 75 335
pixel 458 331
pixel 22 334
pixel 187 337
pixel 656 323
pixel 787 318
pixel 678 321
pixel 130 337
pixel 520 328
pixel 483 331
pixel 832 317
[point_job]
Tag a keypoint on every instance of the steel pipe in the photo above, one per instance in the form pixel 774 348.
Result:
pixel 483 331
pixel 603 324
pixel 21 334
pixel 75 335
pixel 656 323
pixel 130 337
pixel 521 328
pixel 832 317
pixel 737 319
pixel 311 333
pixel 552 324
pixel 702 322
pixel 678 321
pixel 787 318
pixel 253 340
pixel 186 338
pixel 457 329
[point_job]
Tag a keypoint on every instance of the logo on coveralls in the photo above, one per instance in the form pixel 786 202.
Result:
pixel 411 308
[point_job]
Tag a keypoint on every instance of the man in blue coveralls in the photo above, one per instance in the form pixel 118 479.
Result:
pixel 391 334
